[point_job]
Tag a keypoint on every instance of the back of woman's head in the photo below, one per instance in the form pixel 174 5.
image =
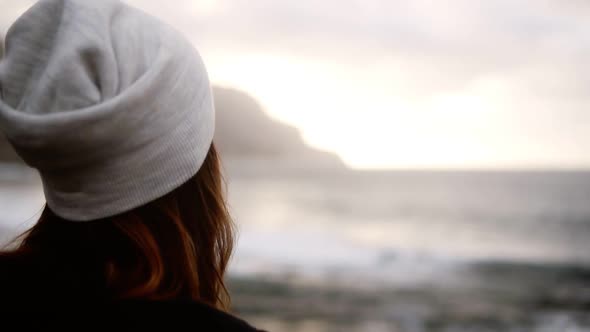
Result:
pixel 176 247
pixel 115 110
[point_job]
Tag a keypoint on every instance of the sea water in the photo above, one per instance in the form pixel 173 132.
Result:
pixel 342 250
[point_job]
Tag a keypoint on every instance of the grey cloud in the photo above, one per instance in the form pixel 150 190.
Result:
pixel 442 47
pixel 542 46
pixel 461 37
pixel 537 49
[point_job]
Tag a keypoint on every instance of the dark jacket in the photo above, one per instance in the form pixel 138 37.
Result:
pixel 30 300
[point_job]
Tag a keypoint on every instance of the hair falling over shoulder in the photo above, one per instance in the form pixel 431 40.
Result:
pixel 176 247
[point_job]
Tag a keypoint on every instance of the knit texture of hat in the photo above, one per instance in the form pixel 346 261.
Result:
pixel 113 107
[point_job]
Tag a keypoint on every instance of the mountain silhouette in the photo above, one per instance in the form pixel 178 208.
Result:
pixel 245 132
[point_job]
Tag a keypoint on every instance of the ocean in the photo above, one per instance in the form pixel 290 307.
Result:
pixel 405 251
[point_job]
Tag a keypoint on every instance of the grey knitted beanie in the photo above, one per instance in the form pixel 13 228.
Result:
pixel 113 107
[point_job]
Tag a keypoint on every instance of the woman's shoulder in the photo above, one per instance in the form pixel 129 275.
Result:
pixel 27 280
pixel 17 273
pixel 177 315
pixel 26 289
pixel 128 315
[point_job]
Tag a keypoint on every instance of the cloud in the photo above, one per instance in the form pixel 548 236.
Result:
pixel 525 59
pixel 440 46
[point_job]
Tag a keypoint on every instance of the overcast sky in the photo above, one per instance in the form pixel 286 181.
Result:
pixel 391 83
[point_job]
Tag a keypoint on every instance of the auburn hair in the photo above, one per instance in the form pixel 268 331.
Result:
pixel 175 247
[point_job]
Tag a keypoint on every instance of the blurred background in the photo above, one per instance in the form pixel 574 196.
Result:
pixel 392 165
